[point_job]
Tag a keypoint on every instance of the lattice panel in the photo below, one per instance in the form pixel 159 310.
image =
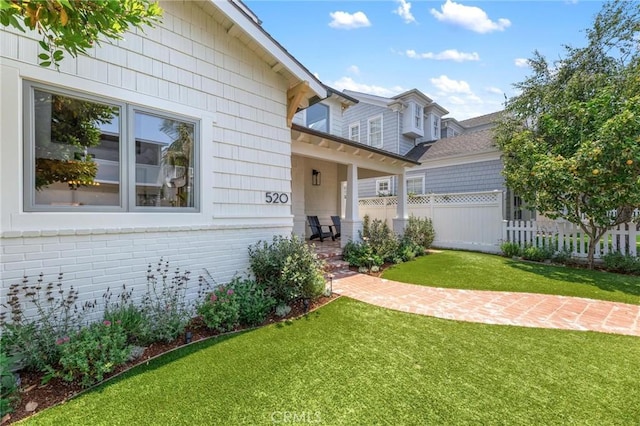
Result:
pixel 378 201
pixel 467 198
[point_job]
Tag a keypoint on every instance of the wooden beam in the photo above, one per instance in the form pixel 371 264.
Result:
pixel 234 30
pixel 277 67
pixel 340 147
pixel 294 99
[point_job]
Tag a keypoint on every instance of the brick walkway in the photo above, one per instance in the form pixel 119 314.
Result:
pixel 493 307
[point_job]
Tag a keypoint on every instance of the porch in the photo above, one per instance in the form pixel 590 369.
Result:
pixel 325 170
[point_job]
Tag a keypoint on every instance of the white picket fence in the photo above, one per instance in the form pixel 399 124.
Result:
pixel 562 235
pixel 470 220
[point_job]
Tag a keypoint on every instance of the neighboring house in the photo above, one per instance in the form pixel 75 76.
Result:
pixel 175 142
pixel 455 156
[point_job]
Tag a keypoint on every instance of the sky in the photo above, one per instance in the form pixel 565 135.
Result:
pixel 465 55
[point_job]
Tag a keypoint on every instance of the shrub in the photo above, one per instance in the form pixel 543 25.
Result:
pixel 221 310
pixel 618 262
pixel 510 249
pixel 381 238
pixel 91 353
pixel 419 231
pixel 537 254
pixel 254 302
pixel 8 385
pixel 39 314
pixel 361 255
pixel 125 313
pixel 287 269
pixel 562 256
pixel 164 308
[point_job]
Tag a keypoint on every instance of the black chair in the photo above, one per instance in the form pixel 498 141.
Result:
pixel 316 229
pixel 336 226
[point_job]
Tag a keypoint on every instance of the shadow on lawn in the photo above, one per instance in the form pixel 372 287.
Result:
pixel 606 281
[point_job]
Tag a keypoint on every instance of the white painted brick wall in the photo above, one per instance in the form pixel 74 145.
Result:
pixel 189 65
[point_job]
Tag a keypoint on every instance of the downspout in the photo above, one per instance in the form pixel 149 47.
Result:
pixel 398 133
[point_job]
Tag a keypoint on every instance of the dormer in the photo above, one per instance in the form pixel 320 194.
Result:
pixel 433 121
pixel 413 120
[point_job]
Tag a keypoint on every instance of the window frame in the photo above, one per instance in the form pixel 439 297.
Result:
pixel 354 126
pixel 328 119
pixel 387 181
pixel 369 121
pixel 418 116
pixel 421 178
pixel 127 154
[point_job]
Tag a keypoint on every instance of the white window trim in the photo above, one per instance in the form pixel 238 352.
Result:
pixel 415 178
pixel 387 192
pixel 377 117
pixel 418 114
pixel 352 126
pixel 127 151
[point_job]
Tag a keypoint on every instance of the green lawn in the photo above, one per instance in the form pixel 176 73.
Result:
pixel 352 363
pixel 478 271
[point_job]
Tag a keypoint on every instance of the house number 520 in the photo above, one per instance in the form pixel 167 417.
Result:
pixel 277 198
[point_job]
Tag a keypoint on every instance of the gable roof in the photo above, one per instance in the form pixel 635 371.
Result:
pixel 481 120
pixel 467 143
pixel 245 25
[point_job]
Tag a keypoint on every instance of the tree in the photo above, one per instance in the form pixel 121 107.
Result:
pixel 571 138
pixel 73 26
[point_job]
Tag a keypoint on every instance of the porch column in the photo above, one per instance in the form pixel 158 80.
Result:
pixel 402 213
pixel 351 223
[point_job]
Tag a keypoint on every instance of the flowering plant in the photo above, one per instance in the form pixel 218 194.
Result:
pixel 221 309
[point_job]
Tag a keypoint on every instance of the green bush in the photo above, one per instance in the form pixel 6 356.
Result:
pixel 618 262
pixel 39 314
pixel 91 353
pixel 221 310
pixel 8 385
pixel 381 238
pixel 125 313
pixel 164 308
pixel 537 254
pixel 419 231
pixel 510 249
pixel 254 302
pixel 360 254
pixel 287 269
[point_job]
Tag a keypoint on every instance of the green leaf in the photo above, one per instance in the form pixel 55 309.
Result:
pixel 43 45
pixel 43 56
pixel 45 64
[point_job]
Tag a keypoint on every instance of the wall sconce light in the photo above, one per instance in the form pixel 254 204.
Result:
pixel 316 177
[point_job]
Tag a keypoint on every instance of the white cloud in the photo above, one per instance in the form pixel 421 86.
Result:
pixel 469 17
pixel 447 85
pixel 353 69
pixel 494 90
pixel 445 55
pixel 404 11
pixel 348 21
pixel 521 62
pixel 349 84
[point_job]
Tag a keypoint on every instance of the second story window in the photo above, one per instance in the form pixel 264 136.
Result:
pixel 418 112
pixel 375 131
pixel 354 132
pixel 436 126
pixel 318 117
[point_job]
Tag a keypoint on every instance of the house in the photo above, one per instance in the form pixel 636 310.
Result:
pixel 176 142
pixel 455 156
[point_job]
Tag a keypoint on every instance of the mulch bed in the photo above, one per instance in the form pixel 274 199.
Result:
pixel 37 397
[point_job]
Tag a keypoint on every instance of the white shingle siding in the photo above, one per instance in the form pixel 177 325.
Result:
pixel 188 65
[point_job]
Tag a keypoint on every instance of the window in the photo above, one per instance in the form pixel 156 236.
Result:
pixel 383 187
pixel 318 117
pixel 436 126
pixel 98 155
pixel 418 115
pixel 354 132
pixel 415 185
pixel 375 132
